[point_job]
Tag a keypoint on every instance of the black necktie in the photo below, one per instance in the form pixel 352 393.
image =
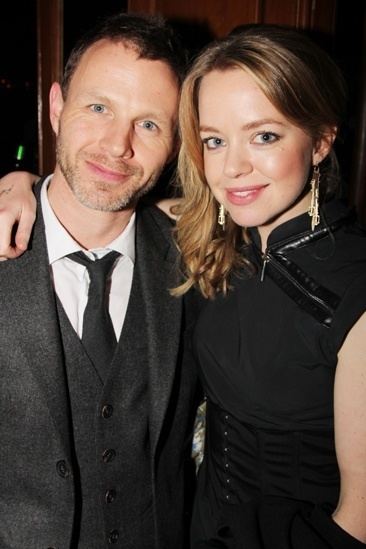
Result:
pixel 98 337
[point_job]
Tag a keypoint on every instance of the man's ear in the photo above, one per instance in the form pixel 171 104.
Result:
pixel 56 103
pixel 324 145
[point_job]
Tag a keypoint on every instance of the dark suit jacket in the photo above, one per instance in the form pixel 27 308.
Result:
pixel 37 498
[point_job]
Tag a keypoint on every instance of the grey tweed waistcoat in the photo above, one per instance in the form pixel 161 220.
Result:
pixel 99 439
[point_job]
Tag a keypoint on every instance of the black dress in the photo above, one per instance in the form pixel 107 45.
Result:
pixel 267 354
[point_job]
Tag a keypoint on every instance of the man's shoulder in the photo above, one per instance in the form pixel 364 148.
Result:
pixel 154 219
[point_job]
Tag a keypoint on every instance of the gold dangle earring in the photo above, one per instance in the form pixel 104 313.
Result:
pixel 313 210
pixel 221 219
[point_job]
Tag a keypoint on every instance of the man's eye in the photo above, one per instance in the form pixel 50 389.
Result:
pixel 98 108
pixel 213 142
pixel 148 125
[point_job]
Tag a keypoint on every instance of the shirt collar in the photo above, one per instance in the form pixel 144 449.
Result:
pixel 60 243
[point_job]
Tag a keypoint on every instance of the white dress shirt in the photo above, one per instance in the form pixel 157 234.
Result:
pixel 71 280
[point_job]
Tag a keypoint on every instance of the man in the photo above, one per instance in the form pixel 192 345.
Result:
pixel 93 451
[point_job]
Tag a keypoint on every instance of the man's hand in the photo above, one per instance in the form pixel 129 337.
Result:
pixel 17 213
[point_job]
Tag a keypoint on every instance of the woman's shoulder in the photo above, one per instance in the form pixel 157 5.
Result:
pixel 346 277
pixel 351 247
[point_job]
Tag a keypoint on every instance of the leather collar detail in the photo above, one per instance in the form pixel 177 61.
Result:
pixel 310 296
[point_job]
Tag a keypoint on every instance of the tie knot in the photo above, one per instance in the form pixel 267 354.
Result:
pixel 100 268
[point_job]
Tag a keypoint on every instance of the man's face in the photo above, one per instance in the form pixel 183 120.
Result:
pixel 116 127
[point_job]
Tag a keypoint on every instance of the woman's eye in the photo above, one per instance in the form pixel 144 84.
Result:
pixel 212 143
pixel 148 125
pixel 98 108
pixel 265 137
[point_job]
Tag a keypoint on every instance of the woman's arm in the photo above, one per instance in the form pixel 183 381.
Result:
pixel 350 431
pixel 168 205
pixel 17 213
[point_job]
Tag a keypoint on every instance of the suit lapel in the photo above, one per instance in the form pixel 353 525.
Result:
pixel 30 300
pixel 156 257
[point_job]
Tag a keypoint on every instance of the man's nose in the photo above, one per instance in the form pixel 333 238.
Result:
pixel 117 140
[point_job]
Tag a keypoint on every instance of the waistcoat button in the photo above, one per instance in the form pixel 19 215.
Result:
pixel 113 536
pixel 110 496
pixel 108 455
pixel 62 468
pixel 107 411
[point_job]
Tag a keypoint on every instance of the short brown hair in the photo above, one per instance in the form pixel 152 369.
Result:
pixel 150 36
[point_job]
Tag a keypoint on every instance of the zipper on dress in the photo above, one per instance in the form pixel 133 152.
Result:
pixel 265 259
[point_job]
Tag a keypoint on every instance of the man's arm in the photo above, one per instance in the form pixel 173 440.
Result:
pixel 17 213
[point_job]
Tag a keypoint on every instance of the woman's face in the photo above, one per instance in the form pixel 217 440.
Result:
pixel 256 161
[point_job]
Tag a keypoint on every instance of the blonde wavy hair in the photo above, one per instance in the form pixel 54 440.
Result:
pixel 303 83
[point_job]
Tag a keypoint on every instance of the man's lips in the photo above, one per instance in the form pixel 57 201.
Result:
pixel 241 196
pixel 109 173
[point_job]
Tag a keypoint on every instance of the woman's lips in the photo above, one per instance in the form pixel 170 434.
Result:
pixel 244 195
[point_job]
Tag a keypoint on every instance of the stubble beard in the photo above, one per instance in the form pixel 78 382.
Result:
pixel 96 194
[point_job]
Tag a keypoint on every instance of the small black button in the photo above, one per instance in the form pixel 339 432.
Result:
pixel 107 411
pixel 113 536
pixel 62 468
pixel 110 496
pixel 108 455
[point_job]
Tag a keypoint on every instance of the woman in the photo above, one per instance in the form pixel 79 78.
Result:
pixel 280 341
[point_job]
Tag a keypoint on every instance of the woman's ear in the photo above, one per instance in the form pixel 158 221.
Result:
pixel 324 145
pixel 56 103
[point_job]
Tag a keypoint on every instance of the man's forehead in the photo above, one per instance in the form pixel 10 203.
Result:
pixel 111 72
pixel 124 46
pixel 110 64
pixel 126 53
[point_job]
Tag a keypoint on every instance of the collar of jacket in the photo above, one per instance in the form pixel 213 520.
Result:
pixel 308 294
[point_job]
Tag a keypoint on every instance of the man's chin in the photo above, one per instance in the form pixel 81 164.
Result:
pixel 110 204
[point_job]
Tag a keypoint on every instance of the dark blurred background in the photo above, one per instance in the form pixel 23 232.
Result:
pixel 29 28
pixel 18 83
pixel 18 72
